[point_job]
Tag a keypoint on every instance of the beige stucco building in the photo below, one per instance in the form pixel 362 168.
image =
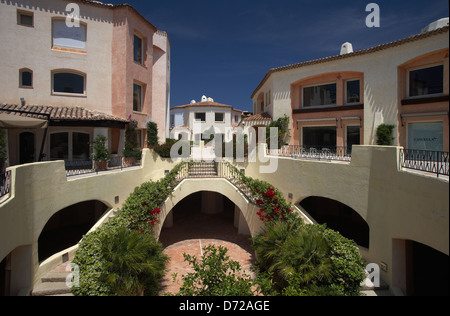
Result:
pixel 93 72
pixel 341 100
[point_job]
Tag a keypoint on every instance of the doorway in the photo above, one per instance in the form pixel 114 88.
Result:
pixel 27 149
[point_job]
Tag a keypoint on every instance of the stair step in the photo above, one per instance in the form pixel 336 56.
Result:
pixel 51 288
pixel 55 277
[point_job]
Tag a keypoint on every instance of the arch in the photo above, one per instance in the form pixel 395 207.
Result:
pixel 67 226
pixel 338 216
pixel 221 186
pixel 203 215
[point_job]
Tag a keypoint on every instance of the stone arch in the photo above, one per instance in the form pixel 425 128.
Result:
pixel 218 185
pixel 67 226
pixel 338 216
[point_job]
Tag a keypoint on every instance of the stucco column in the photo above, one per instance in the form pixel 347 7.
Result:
pixel 212 203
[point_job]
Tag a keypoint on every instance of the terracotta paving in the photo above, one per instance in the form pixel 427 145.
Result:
pixel 192 231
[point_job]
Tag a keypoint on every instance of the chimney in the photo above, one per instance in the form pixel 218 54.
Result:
pixel 346 48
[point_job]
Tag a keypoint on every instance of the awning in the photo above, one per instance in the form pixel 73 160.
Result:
pixel 12 121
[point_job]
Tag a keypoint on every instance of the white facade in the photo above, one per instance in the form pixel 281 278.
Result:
pixel 197 117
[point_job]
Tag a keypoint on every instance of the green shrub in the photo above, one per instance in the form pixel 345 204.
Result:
pixel 101 152
pixel 309 260
pixel 384 134
pixel 134 262
pixel 152 134
pixel 138 215
pixel 215 275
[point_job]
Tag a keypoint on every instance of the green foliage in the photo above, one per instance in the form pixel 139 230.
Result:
pixel 138 215
pixel 3 152
pixel 309 260
pixel 131 145
pixel 282 124
pixel 163 150
pixel 384 134
pixel 134 262
pixel 152 134
pixel 273 206
pixel 101 152
pixel 215 275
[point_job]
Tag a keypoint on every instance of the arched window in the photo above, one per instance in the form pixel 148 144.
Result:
pixel 25 78
pixel 68 81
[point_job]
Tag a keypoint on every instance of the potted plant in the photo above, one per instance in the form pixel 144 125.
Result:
pixel 101 153
pixel 131 153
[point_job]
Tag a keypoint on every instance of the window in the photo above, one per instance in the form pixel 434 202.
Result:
pixel 25 78
pixel 352 92
pixel 426 136
pixel 137 97
pixel 138 50
pixel 319 137
pixel 200 117
pixel 68 82
pixel 69 146
pixel 426 81
pixel 219 117
pixel 80 146
pixel 319 95
pixel 59 146
pixel 353 137
pixel 69 37
pixel 25 18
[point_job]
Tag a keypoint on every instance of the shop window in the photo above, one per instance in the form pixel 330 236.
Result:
pixel 426 136
pixel 319 137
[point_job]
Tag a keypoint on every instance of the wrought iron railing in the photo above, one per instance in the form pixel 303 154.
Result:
pixel 435 162
pixel 79 167
pixel 5 183
pixel 338 153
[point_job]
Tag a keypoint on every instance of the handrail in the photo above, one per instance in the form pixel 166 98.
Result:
pixel 436 162
pixel 338 153
pixel 5 183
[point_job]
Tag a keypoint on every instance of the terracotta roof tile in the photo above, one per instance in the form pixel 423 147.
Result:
pixel 259 117
pixel 64 113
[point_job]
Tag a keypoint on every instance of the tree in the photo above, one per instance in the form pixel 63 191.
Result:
pixel 152 134
pixel 384 134
pixel 215 275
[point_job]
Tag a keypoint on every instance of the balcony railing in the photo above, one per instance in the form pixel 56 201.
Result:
pixel 5 183
pixel 79 167
pixel 313 152
pixel 435 162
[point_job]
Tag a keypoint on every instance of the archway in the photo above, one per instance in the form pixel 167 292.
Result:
pixel 339 217
pixel 204 214
pixel 198 220
pixel 419 270
pixel 67 227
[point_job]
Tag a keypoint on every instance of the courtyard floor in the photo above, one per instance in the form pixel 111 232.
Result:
pixel 192 231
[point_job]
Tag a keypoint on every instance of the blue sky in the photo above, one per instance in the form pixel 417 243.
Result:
pixel 223 49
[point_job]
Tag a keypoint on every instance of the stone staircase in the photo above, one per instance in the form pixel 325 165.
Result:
pixel 54 282
pixel 203 170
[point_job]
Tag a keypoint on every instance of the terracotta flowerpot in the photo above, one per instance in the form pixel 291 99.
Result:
pixel 129 161
pixel 101 165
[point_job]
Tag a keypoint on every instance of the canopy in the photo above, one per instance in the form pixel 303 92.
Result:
pixel 16 121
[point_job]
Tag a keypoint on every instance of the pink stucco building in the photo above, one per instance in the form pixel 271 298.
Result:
pixel 91 79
